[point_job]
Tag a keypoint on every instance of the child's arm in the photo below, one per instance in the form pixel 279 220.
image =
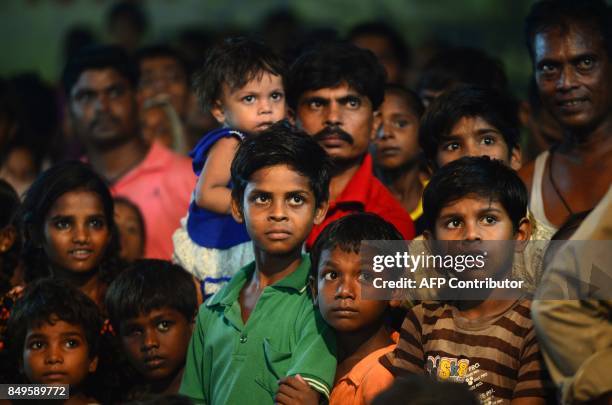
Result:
pixel 295 390
pixel 212 192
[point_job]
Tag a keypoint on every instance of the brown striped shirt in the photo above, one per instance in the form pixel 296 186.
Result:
pixel 498 358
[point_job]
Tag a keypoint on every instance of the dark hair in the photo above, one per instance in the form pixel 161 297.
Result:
pixel 401 50
pixel 480 176
pixel 423 390
pixel 98 57
pixel 150 284
pixel 234 62
pixel 281 144
pixel 410 97
pixel 46 300
pixel 40 197
pixel 131 11
pixel 128 203
pixel 348 232
pixel 462 65
pixel 547 14
pixel 162 51
pixel 9 206
pixel 333 63
pixel 497 108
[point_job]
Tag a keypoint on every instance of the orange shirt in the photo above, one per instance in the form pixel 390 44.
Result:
pixel 161 186
pixel 365 380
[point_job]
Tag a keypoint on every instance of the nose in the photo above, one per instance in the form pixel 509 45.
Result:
pixel 54 355
pixel 346 289
pixel 472 232
pixel 102 102
pixel 566 80
pixel 384 131
pixel 150 341
pixel 333 115
pixel 264 106
pixel 277 211
pixel 80 234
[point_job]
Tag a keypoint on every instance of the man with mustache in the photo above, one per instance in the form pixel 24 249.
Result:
pixel 100 84
pixel 335 90
pixel 570 43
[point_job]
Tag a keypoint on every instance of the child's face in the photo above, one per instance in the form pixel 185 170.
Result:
pixel 76 231
pixel 156 343
pixel 279 209
pixel 254 107
pixel 130 232
pixel 397 141
pixel 340 283
pixel 473 136
pixel 57 352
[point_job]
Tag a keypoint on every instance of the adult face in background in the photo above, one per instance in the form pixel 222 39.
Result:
pixel 163 76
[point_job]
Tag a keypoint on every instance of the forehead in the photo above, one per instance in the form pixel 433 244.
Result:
pixel 472 204
pixel 341 259
pixel 53 327
pixel 160 63
pixel 278 178
pixel 77 201
pixel 144 318
pixel 339 91
pixel 99 79
pixel 572 39
pixel 471 123
pixel 396 102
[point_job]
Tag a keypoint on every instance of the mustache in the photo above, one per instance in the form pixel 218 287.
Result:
pixel 327 131
pixel 103 117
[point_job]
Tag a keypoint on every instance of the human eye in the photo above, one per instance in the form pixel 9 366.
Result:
pixel 453 223
pixel 330 275
pixel 116 91
pixel 400 123
pixel 250 99
pixel 36 345
pixel 586 63
pixel 164 326
pixel 365 276
pixel 277 96
pixel 353 102
pixel 488 140
pixel 72 343
pixel 547 68
pixel 97 223
pixel 489 220
pixel 296 200
pixel 315 104
pixel 132 331
pixel 62 223
pixel 451 146
pixel 260 199
pixel 85 96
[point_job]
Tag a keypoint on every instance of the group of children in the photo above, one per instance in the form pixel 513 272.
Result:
pixel 279 325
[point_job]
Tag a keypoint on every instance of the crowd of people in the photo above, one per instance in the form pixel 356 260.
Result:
pixel 193 230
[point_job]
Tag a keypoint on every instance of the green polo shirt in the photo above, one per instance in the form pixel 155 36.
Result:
pixel 230 362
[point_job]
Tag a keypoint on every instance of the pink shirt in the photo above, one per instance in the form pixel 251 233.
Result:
pixel 161 186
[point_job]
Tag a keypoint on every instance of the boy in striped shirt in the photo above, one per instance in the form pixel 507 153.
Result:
pixel 481 340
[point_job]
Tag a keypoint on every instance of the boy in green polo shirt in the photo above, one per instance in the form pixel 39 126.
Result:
pixel 262 327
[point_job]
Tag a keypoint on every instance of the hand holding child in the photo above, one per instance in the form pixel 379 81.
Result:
pixel 295 390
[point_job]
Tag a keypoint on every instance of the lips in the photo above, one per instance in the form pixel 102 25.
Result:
pixel 81 253
pixel 570 105
pixel 389 151
pixel 264 125
pixel 54 376
pixel 154 362
pixel 278 234
pixel 345 312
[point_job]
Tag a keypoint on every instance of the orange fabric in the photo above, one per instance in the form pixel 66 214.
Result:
pixel 365 380
pixel 161 186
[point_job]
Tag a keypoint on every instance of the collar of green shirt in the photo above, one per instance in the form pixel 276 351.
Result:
pixel 297 281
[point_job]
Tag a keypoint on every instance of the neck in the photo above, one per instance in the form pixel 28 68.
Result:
pixel 113 163
pixel 405 184
pixel 88 283
pixel 592 143
pixel 356 345
pixel 170 384
pixel 271 268
pixel 342 175
pixel 484 308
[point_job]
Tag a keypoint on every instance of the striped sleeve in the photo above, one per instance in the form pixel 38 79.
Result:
pixel 408 356
pixel 532 377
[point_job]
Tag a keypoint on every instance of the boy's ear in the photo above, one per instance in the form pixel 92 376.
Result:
pixel 312 285
pixel 237 212
pixel 523 234
pixel 93 365
pixel 320 212
pixel 377 120
pixel 218 112
pixel 7 238
pixel 516 158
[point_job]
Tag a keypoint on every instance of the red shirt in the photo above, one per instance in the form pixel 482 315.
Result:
pixel 365 193
pixel 161 186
